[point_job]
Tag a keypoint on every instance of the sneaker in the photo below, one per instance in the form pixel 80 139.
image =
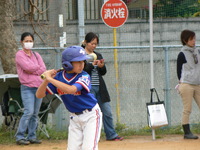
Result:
pixel 117 138
pixel 35 141
pixel 23 142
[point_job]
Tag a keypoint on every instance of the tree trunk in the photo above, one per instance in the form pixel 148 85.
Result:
pixel 8 44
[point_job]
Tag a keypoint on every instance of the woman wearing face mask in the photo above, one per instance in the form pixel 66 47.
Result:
pixel 29 66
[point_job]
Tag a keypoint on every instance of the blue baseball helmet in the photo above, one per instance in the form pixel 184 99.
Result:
pixel 72 53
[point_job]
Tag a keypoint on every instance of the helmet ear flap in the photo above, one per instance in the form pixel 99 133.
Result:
pixel 67 66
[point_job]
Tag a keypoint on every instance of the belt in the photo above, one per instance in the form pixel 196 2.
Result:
pixel 83 112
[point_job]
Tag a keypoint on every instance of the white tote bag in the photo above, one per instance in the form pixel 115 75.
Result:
pixel 156 112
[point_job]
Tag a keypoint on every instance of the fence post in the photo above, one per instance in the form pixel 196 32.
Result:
pixel 59 112
pixel 167 86
pixel 116 74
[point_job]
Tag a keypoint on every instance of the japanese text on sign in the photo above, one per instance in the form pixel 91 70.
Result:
pixel 114 13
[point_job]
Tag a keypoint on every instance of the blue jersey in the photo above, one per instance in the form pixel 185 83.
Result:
pixel 82 99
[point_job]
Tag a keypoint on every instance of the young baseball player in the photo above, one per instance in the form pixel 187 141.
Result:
pixel 73 85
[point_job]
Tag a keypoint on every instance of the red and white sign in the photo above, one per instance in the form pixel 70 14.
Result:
pixel 114 13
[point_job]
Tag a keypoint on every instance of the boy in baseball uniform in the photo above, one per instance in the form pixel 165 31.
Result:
pixel 73 85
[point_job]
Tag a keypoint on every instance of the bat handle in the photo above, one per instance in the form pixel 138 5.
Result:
pixel 42 76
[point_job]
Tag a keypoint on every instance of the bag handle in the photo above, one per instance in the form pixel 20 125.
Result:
pixel 154 90
pixel 35 55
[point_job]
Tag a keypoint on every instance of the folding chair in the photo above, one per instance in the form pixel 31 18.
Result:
pixel 15 109
pixel 49 105
pixel 10 85
pixel 12 108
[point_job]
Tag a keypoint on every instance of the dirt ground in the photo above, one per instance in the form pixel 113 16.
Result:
pixel 167 142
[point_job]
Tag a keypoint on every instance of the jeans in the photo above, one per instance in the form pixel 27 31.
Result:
pixel 107 114
pixel 29 119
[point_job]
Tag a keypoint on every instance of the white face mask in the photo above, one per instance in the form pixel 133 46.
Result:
pixel 28 45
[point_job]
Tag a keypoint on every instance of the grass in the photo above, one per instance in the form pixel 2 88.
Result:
pixel 123 130
pixel 7 137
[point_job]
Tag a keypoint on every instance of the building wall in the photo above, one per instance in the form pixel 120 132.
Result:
pixel 135 32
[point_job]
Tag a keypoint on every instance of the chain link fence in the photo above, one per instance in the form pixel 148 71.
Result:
pixel 134 84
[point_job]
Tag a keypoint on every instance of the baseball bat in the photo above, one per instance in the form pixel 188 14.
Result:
pixel 91 57
pixel 43 76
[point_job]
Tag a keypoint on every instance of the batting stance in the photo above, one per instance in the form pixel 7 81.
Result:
pixel 73 85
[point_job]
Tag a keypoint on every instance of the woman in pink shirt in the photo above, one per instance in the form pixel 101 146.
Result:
pixel 29 68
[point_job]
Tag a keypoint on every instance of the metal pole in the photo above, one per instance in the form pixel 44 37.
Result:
pixel 151 50
pixel 59 112
pixel 116 73
pixel 62 24
pixel 167 86
pixel 81 22
pixel 151 41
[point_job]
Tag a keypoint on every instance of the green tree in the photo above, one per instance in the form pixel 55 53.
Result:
pixel 8 44
pixel 175 8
